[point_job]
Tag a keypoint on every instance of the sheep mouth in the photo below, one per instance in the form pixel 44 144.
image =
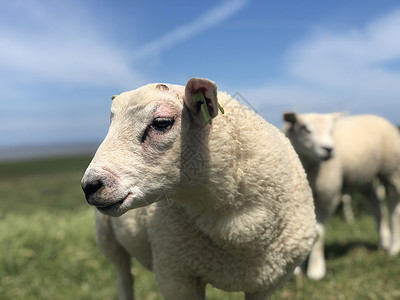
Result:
pixel 326 157
pixel 114 206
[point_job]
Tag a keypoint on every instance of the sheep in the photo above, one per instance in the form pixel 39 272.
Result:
pixel 196 198
pixel 345 155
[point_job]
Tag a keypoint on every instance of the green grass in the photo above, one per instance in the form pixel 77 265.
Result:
pixel 48 250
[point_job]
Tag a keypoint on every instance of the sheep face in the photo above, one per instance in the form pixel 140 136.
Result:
pixel 139 161
pixel 311 134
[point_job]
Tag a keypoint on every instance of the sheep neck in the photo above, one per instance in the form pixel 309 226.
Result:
pixel 228 226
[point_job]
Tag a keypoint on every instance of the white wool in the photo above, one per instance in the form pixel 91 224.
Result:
pixel 234 208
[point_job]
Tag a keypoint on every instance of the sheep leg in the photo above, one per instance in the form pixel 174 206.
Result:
pixel 117 255
pixel 173 288
pixel 316 269
pixel 394 204
pixel 124 277
pixel 347 209
pixel 385 235
pixel 381 217
pixel 256 296
pixel 395 245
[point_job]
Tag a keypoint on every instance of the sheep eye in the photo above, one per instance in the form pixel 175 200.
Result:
pixel 159 124
pixel 162 124
pixel 305 129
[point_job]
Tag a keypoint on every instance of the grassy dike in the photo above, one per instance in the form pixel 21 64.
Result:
pixel 48 250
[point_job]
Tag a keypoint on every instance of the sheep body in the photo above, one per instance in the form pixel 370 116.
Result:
pixel 242 215
pixel 365 147
pixel 369 146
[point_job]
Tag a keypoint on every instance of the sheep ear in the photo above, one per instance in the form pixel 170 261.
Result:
pixel 290 117
pixel 201 100
pixel 113 97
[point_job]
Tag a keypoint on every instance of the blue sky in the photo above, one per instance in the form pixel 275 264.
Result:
pixel 60 61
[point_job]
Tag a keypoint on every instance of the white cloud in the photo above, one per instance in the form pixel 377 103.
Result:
pixel 353 70
pixel 49 43
pixel 354 60
pixel 75 60
pixel 206 21
pixel 63 43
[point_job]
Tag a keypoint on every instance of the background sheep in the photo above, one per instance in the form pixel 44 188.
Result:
pixel 345 158
pixel 242 217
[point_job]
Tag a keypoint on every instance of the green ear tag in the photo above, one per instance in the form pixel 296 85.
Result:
pixel 206 113
pixel 221 108
pixel 290 117
pixel 199 97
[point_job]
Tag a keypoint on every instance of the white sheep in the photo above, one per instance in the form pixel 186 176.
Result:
pixel 242 215
pixel 345 155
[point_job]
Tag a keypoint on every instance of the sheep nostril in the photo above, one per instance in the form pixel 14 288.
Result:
pixel 92 187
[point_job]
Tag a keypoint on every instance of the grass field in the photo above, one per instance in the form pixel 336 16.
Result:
pixel 48 251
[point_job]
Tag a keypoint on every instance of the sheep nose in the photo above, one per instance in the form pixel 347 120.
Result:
pixel 91 187
pixel 328 149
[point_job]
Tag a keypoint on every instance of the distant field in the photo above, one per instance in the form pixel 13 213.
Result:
pixel 48 251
